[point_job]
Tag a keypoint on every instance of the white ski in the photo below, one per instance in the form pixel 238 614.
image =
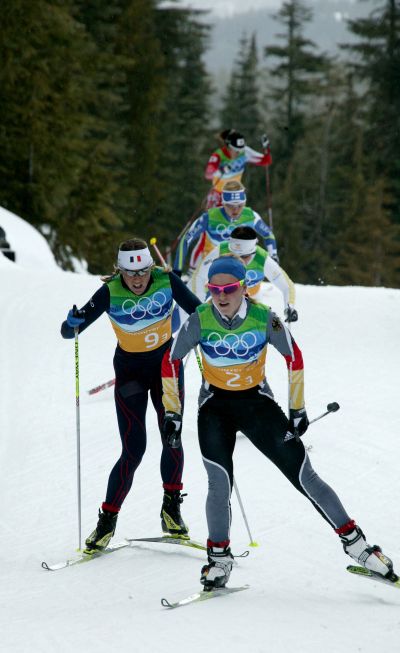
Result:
pixel 203 596
pixel 85 557
pixel 366 573
pixel 170 539
pixel 128 542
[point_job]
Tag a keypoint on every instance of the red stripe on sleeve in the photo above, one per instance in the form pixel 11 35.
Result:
pixel 212 166
pixel 169 369
pixel 296 363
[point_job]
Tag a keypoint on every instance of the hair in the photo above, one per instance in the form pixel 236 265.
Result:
pixel 130 245
pixel 244 232
pixel 222 136
pixel 228 136
pixel 233 186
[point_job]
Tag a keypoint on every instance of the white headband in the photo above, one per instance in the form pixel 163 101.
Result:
pixel 136 259
pixel 242 247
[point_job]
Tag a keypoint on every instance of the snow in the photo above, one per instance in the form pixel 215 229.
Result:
pixel 32 250
pixel 300 598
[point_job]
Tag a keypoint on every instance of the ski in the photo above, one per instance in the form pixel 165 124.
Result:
pixel 170 539
pixel 128 542
pixel 85 557
pixel 394 581
pixel 101 387
pixel 203 596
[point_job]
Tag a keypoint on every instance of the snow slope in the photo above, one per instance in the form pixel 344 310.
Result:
pixel 32 250
pixel 301 598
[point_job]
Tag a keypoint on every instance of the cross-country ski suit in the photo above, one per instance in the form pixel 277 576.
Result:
pixel 235 396
pixel 221 168
pixel 142 324
pixel 217 226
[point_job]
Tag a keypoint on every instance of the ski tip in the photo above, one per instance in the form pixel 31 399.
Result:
pixel 45 566
pixel 166 603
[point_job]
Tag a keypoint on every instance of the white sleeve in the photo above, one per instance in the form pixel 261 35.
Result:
pixel 274 273
pixel 252 155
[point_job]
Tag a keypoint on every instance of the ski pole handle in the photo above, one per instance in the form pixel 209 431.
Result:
pixel 153 242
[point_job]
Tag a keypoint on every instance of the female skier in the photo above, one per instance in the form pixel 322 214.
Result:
pixel 138 299
pixel 217 224
pixel 259 266
pixel 229 161
pixel 233 333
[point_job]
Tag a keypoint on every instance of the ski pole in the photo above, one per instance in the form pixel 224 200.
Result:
pixel 153 242
pixel 331 408
pixel 252 542
pixel 78 436
pixel 188 224
pixel 268 189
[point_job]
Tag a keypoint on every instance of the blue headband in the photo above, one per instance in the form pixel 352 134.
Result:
pixel 227 265
pixel 233 196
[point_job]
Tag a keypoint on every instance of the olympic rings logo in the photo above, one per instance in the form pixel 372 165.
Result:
pixel 251 277
pixel 224 230
pixel 232 343
pixel 145 306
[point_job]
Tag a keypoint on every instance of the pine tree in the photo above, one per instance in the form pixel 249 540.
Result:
pixel 184 120
pixel 48 152
pixel 376 60
pixel 297 74
pixel 242 110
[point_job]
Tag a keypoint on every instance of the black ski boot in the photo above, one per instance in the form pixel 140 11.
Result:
pixel 102 534
pixel 171 518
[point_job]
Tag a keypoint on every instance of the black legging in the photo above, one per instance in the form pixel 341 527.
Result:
pixel 135 379
pixel 265 425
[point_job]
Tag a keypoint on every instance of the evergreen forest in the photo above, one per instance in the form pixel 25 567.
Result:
pixel 108 119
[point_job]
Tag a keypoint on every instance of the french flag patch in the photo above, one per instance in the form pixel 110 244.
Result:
pixel 132 259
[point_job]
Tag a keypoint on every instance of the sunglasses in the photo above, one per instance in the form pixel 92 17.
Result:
pixel 136 273
pixel 227 289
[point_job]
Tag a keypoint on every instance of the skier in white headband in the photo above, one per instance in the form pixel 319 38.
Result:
pixel 138 299
pixel 259 266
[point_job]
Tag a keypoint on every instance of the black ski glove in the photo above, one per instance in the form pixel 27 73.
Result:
pixel 171 429
pixel 177 272
pixel 298 421
pixel 291 314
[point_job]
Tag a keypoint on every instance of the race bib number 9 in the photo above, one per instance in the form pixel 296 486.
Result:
pixel 145 340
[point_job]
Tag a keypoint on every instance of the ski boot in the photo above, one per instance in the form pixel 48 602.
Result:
pixel 102 534
pixel 216 573
pixel 171 519
pixel 370 557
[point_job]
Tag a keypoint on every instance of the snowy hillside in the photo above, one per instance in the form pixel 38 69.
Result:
pixel 301 599
pixel 31 248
